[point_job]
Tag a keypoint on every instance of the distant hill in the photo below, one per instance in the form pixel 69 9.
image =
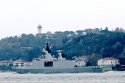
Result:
pixel 94 43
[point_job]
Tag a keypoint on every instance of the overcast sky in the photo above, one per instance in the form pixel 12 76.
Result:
pixel 23 16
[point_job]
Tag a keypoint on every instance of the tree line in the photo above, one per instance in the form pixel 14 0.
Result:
pixel 93 43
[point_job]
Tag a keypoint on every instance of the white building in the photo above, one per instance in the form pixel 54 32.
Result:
pixel 81 61
pixel 6 63
pixel 20 62
pixel 108 62
pixel 39 29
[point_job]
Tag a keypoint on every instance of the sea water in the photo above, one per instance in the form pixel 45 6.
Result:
pixel 107 77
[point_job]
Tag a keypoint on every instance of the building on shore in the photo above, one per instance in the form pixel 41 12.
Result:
pixel 19 63
pixel 108 62
pixel 6 63
pixel 81 61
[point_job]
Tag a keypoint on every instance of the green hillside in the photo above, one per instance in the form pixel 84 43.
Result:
pixel 95 45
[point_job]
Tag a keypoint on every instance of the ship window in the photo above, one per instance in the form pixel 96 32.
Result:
pixel 22 64
pixel 16 64
pixel 48 63
pixel 36 59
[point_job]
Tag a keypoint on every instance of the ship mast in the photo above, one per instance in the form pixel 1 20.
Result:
pixel 47 47
pixel 47 44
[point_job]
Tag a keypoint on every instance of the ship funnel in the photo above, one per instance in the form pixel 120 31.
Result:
pixel 61 55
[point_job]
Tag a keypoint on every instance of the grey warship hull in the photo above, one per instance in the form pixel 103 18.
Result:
pixel 49 64
pixel 92 69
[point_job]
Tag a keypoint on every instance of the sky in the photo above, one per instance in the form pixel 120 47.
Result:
pixel 23 16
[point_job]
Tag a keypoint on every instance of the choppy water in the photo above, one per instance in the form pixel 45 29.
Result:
pixel 107 77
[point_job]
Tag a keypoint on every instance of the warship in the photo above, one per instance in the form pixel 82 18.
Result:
pixel 49 64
